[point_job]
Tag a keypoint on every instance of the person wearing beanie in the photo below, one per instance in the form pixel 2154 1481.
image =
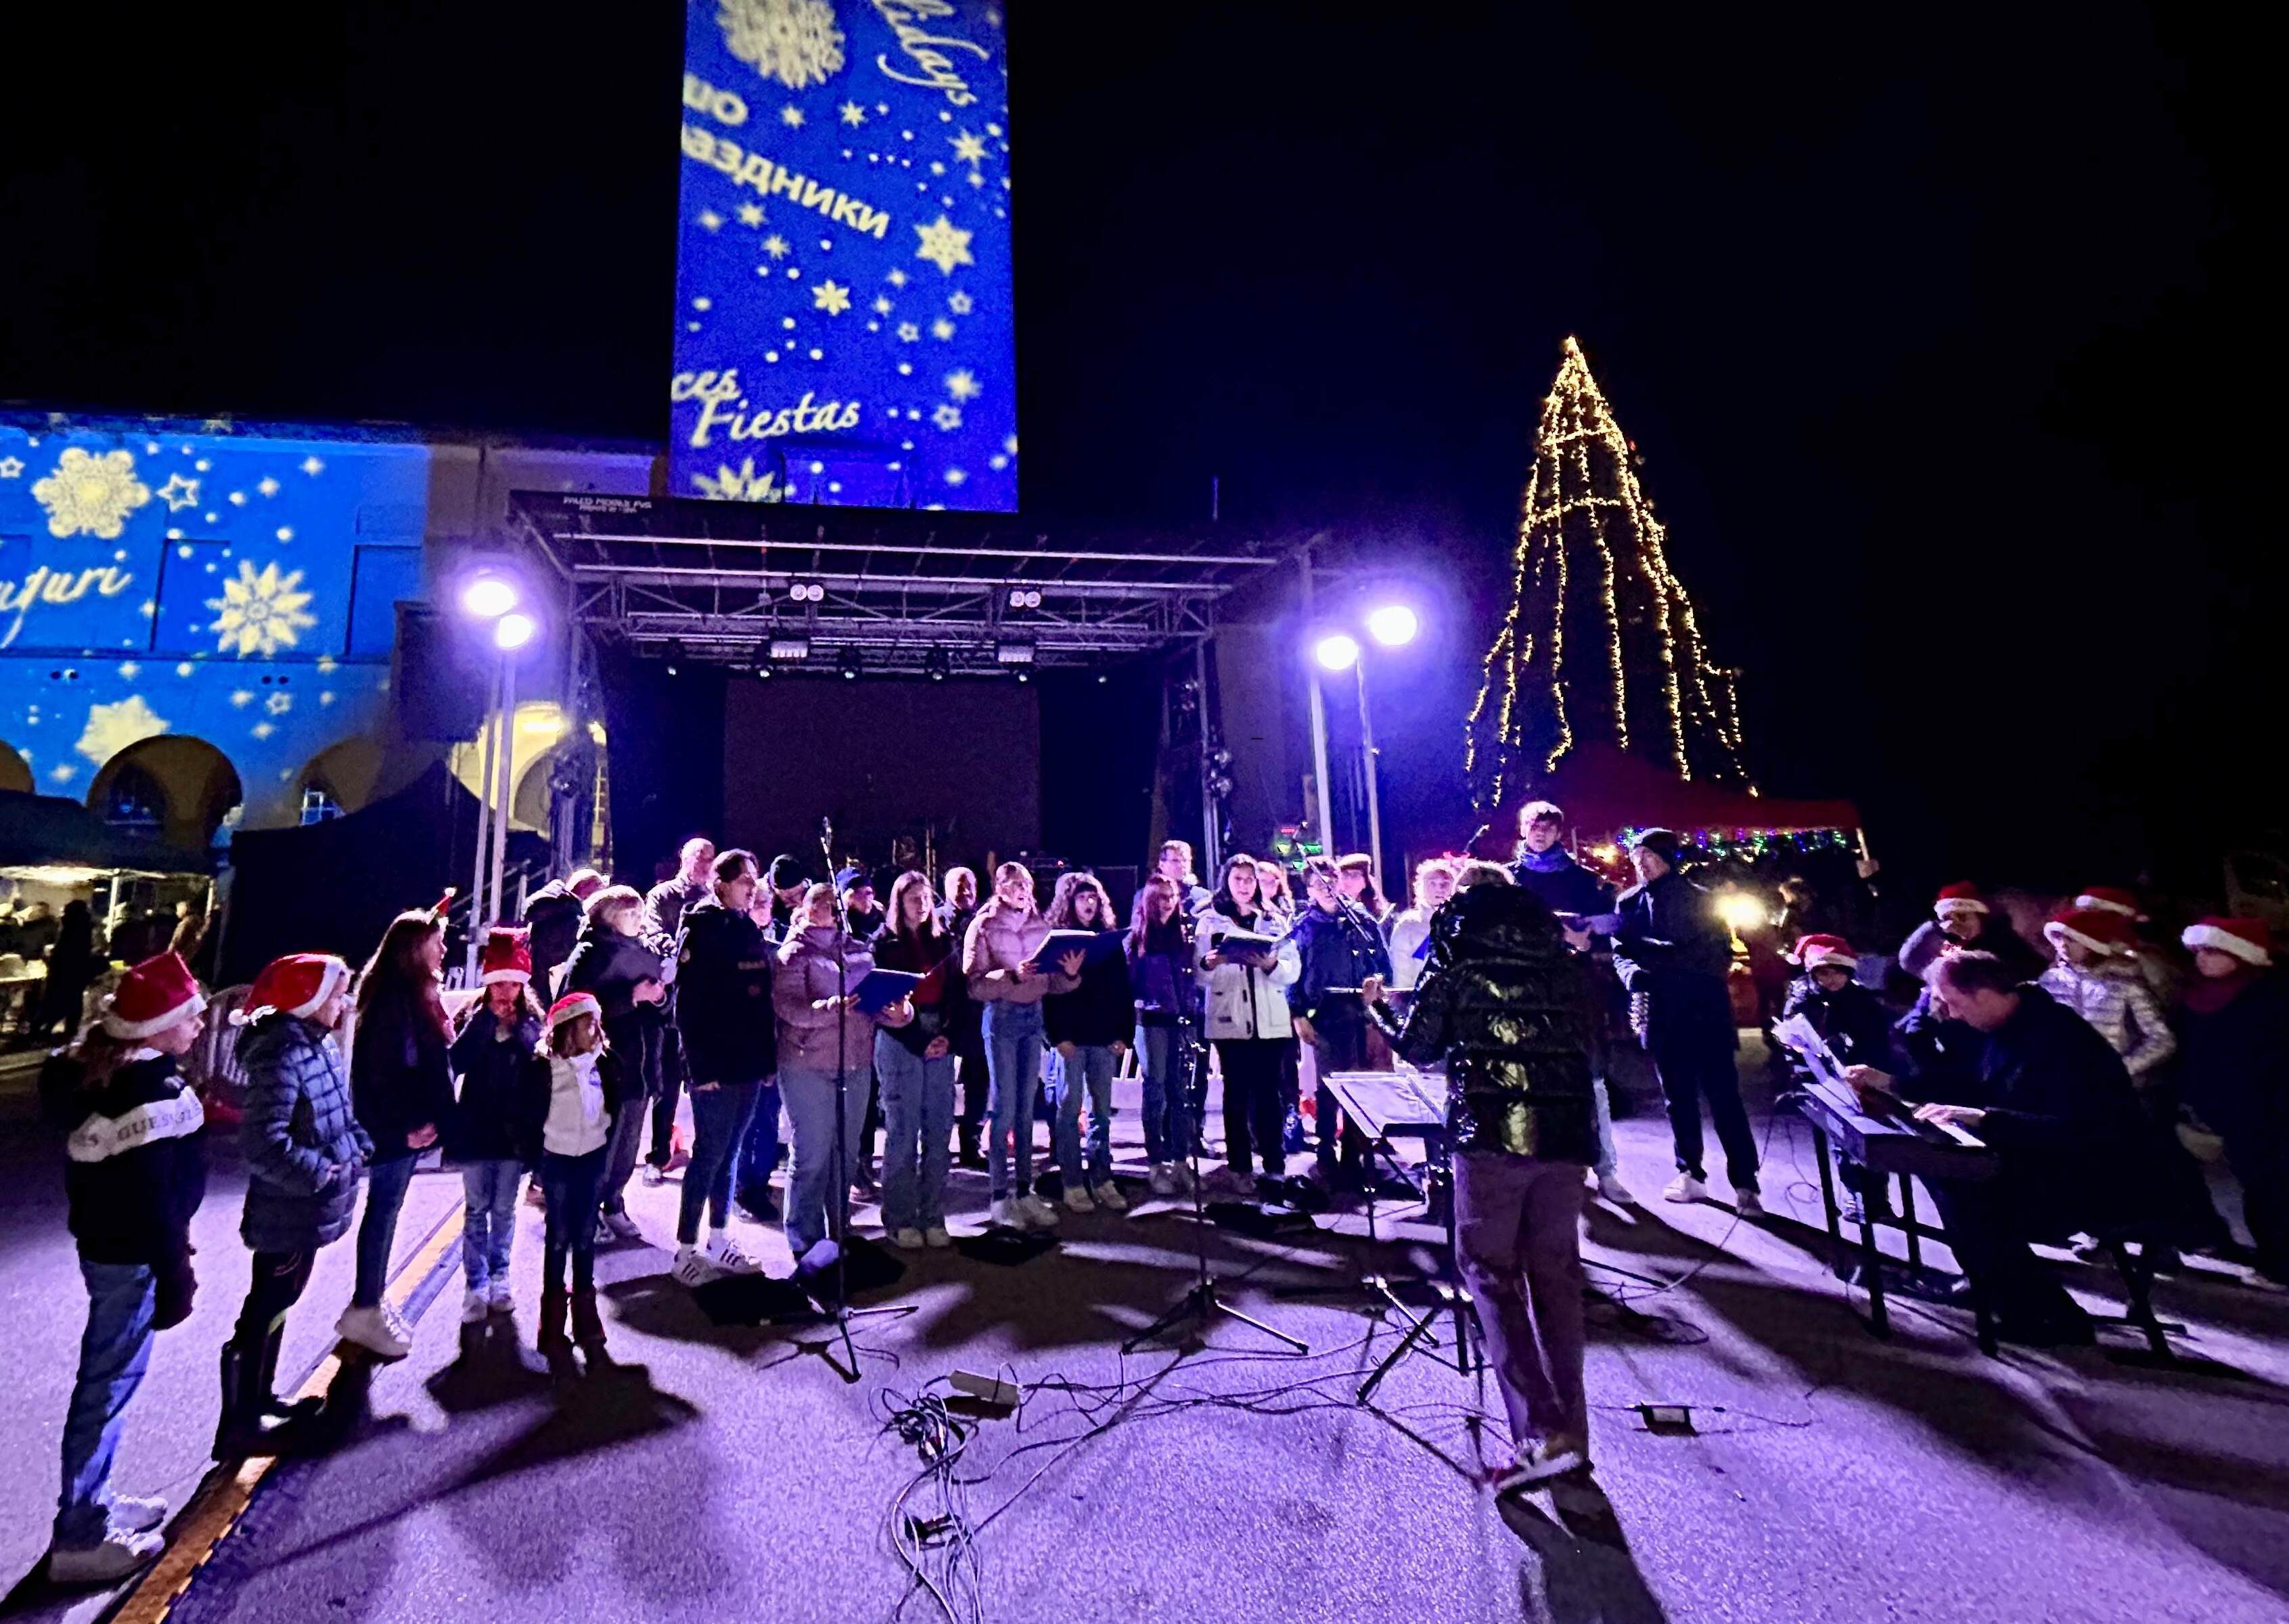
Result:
pixel 2233 1073
pixel 1673 952
pixel 724 1011
pixel 854 889
pixel 1961 921
pixel 572 1093
pixel 1857 1029
pixel 497 1036
pixel 786 881
pixel 135 1175
pixel 304 1151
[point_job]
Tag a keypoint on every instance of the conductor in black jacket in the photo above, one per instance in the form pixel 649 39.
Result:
pixel 1674 952
pixel 731 1042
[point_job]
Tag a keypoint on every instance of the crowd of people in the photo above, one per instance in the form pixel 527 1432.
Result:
pixel 802 1013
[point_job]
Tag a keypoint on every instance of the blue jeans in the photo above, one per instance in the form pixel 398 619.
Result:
pixel 819 1186
pixel 1089 1068
pixel 112 1354
pixel 1013 1070
pixel 918 1126
pixel 719 1124
pixel 488 1218
pixel 568 1187
pixel 385 1194
pixel 759 1151
pixel 1168 1117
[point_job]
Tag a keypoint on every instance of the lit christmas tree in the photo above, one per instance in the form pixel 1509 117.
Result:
pixel 1600 645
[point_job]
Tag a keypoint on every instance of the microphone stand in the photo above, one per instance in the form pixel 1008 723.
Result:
pixel 1201 1303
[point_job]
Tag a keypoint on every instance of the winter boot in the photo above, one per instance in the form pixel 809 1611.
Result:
pixel 587 1324
pixel 255 1422
pixel 552 1339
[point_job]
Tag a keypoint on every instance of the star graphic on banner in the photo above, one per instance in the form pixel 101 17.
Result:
pixel 897 278
pixel 945 244
pixel 831 297
pixel 963 385
pixel 969 149
pixel 776 246
pixel 908 332
pixel 961 303
pixel 179 492
pixel 955 476
pixel 853 114
pixel 237 497
pixel 941 330
pixel 267 485
pixel 314 466
pixel 12 467
pixel 881 305
pixel 751 214
pixel 975 178
pixel 791 115
pixel 947 417
pixel 711 220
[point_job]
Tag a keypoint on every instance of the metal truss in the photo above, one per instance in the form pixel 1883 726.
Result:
pixel 903 590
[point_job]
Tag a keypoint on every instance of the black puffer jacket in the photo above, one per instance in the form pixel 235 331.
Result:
pixel 1510 1010
pixel 610 965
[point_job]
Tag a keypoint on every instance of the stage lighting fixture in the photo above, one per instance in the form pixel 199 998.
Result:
pixel 938 664
pixel 1014 653
pixel 514 630
pixel 849 665
pixel 790 648
pixel 1392 625
pixel 674 655
pixel 764 673
pixel 1336 652
pixel 489 595
pixel 1023 676
pixel 1025 597
pixel 807 592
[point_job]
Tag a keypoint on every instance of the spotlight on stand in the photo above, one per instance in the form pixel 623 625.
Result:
pixel 1394 625
pixel 851 666
pixel 1336 652
pixel 489 595
pixel 789 648
pixel 938 664
pixel 514 630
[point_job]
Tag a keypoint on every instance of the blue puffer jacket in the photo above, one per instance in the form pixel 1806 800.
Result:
pixel 304 1148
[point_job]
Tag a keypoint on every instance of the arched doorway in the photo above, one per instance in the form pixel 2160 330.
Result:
pixel 15 771
pixel 178 788
pixel 342 777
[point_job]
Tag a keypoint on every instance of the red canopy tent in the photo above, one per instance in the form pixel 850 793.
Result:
pixel 1604 791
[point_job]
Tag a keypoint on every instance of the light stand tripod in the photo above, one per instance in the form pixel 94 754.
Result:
pixel 1201 1301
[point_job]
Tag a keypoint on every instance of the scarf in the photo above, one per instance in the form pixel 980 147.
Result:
pixel 1555 860
pixel 2206 994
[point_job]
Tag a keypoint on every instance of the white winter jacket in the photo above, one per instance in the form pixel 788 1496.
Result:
pixel 2114 997
pixel 1244 1002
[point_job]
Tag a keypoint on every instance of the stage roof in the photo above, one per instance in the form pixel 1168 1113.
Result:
pixel 716 581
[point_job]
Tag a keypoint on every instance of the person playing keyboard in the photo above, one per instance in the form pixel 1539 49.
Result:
pixel 2057 1106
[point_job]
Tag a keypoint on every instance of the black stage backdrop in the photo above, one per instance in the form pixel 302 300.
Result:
pixel 1100 742
pixel 666 758
pixel 883 756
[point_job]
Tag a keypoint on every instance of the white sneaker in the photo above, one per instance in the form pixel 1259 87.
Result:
pixel 1610 1185
pixel 1685 1187
pixel 501 1299
pixel 1748 1203
pixel 724 1254
pixel 1039 1213
pixel 371 1330
pixel 1163 1179
pixel 122 1552
pixel 477 1308
pixel 1077 1199
pixel 908 1239
pixel 1004 1215
pixel 936 1235
pixel 693 1267
pixel 139 1515
pixel 396 1322
pixel 1108 1195
pixel 654 1176
pixel 622 1225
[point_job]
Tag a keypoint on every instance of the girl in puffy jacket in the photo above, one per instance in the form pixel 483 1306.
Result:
pixel 497 1034
pixel 1248 1021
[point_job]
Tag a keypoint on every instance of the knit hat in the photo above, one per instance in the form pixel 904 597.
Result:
pixel 1821 951
pixel 2112 900
pixel 1962 897
pixel 2093 929
pixel 786 872
pixel 1662 843
pixel 571 1006
pixel 151 997
pixel 848 880
pixel 507 957
pixel 2249 940
pixel 296 985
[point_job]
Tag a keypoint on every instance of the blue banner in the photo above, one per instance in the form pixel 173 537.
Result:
pixel 843 322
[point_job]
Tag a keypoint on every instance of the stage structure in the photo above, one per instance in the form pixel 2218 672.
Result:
pixel 843 324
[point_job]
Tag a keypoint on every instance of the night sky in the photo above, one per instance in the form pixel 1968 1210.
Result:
pixel 1931 333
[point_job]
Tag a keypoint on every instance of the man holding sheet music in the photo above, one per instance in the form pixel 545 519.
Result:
pixel 2053 1101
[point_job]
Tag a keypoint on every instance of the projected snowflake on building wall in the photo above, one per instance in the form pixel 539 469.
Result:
pixel 261 612
pixel 90 494
pixel 795 42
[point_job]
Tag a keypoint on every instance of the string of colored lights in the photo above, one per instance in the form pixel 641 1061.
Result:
pixel 1583 492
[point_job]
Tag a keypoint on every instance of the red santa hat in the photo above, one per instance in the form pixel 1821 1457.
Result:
pixel 2249 940
pixel 151 997
pixel 2095 930
pixel 1820 951
pixel 507 957
pixel 2112 900
pixel 1962 897
pixel 571 1006
pixel 297 985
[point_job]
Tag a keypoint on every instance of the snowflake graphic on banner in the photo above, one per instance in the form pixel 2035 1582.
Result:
pixel 91 493
pixel 740 484
pixel 795 42
pixel 112 728
pixel 261 612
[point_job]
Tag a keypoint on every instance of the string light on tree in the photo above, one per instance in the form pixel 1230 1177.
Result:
pixel 1585 517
